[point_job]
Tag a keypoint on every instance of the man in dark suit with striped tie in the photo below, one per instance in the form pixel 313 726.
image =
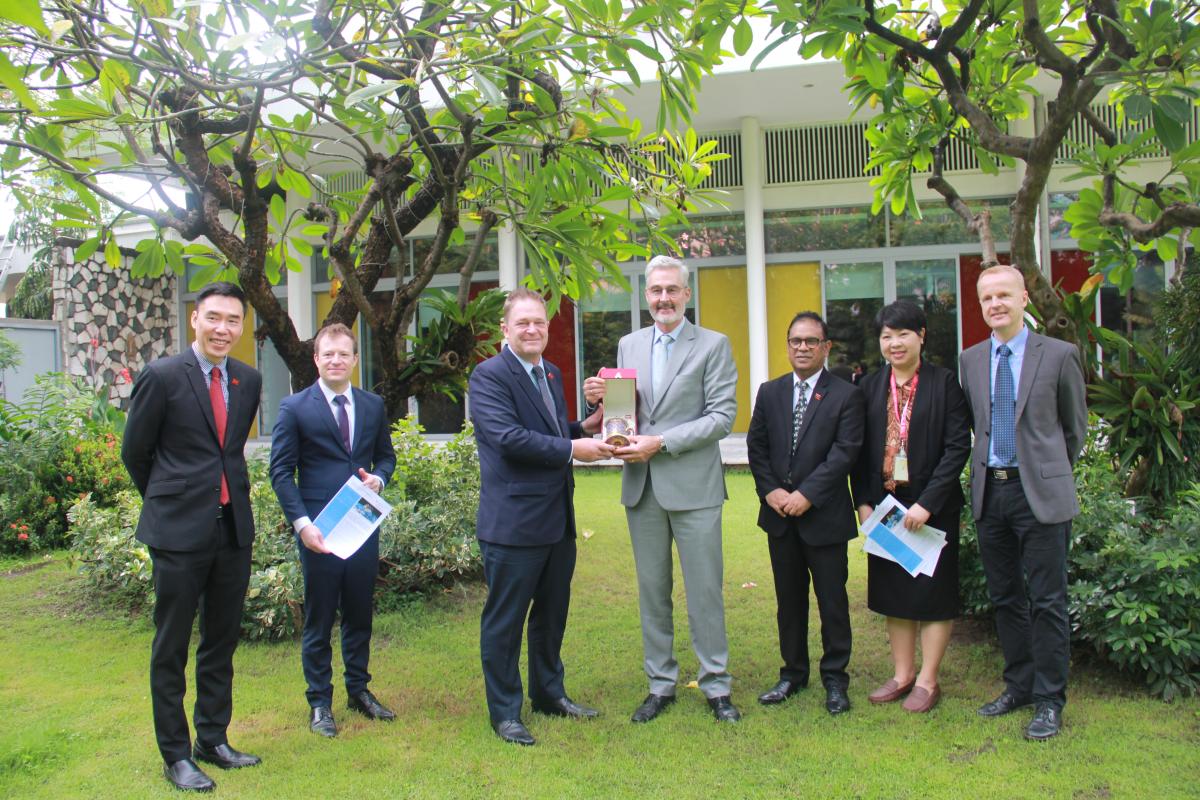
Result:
pixel 526 522
pixel 323 435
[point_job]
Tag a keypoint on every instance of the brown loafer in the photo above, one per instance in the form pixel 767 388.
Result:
pixel 890 692
pixel 921 700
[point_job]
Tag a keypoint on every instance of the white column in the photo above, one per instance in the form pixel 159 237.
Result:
pixel 300 297
pixel 756 251
pixel 506 243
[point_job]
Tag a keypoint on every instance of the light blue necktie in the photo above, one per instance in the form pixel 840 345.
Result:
pixel 1004 410
pixel 658 367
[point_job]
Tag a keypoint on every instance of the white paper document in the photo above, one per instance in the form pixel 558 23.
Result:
pixel 917 551
pixel 349 519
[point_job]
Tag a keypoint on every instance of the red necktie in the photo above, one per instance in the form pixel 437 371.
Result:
pixel 219 415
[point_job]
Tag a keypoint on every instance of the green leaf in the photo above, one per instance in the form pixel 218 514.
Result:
pixel 743 37
pixel 112 253
pixel 1170 132
pixel 14 81
pixel 25 12
pixel 1137 107
pixel 368 92
pixel 1176 108
pixel 85 250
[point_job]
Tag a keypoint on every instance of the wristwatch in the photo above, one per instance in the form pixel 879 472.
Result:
pixel 662 443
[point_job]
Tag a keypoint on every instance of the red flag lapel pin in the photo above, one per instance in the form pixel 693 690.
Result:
pixel 816 396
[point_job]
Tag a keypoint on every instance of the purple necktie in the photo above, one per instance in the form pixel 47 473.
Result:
pixel 343 420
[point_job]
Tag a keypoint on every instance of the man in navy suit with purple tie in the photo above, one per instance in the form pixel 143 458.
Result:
pixel 526 522
pixel 325 434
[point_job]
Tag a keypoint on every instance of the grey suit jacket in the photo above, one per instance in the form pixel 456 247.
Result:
pixel 1051 423
pixel 693 411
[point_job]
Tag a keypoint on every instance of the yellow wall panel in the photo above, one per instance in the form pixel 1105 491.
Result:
pixel 723 308
pixel 791 288
pixel 244 351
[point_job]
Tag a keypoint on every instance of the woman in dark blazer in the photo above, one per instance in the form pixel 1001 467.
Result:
pixel 917 441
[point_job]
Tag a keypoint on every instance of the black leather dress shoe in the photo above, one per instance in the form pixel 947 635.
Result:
pixel 365 703
pixel 836 699
pixel 565 707
pixel 513 731
pixel 224 756
pixel 1046 723
pixel 652 706
pixel 1002 705
pixel 322 722
pixel 780 692
pixel 186 776
pixel 724 709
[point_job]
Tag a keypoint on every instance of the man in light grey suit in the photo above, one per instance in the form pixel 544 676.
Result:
pixel 1026 393
pixel 673 486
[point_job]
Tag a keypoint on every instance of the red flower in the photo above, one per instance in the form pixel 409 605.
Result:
pixel 125 375
pixel 70 479
pixel 95 342
pixel 22 536
pixel 24 527
pixel 12 525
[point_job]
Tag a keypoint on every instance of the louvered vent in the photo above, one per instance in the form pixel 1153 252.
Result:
pixel 1081 135
pixel 836 152
pixel 726 174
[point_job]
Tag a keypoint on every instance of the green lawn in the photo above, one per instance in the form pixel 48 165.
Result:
pixel 75 713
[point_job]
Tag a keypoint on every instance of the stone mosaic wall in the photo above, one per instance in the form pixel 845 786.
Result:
pixel 113 325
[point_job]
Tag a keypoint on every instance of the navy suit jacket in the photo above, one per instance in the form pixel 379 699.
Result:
pixel 306 438
pixel 526 483
pixel 171 450
pixel 830 437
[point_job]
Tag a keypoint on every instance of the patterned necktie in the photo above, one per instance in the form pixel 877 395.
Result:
pixel 658 366
pixel 1004 410
pixel 539 377
pixel 798 413
pixel 343 420
pixel 220 416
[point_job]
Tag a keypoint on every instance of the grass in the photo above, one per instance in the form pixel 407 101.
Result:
pixel 76 712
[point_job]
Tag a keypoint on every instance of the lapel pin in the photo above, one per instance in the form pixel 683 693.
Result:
pixel 233 381
pixel 816 396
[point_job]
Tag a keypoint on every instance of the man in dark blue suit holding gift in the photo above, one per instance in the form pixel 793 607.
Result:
pixel 526 523
pixel 327 433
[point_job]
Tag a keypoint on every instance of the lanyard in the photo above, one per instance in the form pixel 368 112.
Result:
pixel 902 416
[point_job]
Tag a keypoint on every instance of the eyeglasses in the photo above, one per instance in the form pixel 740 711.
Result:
pixel 670 291
pixel 811 342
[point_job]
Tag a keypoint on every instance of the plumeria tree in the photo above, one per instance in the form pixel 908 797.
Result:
pixel 968 70
pixel 470 115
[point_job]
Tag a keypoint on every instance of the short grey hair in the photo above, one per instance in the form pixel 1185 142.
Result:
pixel 667 262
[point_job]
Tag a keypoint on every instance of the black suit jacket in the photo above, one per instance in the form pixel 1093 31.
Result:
pixel 939 440
pixel 171 450
pixel 830 437
pixel 306 439
pixel 526 483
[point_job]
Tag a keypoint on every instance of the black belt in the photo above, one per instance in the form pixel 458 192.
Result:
pixel 1003 474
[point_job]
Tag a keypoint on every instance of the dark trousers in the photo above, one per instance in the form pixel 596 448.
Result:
pixel 524 580
pixel 213 580
pixel 330 584
pixel 793 562
pixel 1025 562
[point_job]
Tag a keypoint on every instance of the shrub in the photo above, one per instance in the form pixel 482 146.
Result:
pixel 429 538
pixel 1134 575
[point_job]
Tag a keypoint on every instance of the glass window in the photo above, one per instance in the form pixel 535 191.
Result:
pixel 823 229
pixel 1132 313
pixel 930 283
pixel 1059 203
pixel 711 237
pixel 940 225
pixel 603 319
pixel 853 296
pixel 454 257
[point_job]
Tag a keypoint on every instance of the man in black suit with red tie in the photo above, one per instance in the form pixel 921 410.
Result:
pixel 188 422
pixel 804 437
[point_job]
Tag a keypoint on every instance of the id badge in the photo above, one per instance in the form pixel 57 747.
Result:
pixel 900 467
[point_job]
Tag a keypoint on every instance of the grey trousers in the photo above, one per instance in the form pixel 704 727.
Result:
pixel 697 536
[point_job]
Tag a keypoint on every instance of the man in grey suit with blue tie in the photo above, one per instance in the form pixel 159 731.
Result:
pixel 673 485
pixel 1026 394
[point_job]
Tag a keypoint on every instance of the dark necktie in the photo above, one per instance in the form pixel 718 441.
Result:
pixel 220 416
pixel 343 420
pixel 1004 410
pixel 798 414
pixel 539 377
